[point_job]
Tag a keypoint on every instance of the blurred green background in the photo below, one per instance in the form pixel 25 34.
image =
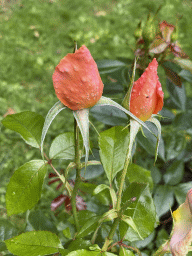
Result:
pixel 36 34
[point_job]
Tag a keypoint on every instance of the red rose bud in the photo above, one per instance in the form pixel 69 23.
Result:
pixel 146 95
pixel 166 30
pixel 77 81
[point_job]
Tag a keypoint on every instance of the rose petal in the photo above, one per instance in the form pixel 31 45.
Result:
pixel 182 230
pixel 158 46
pixel 166 30
pixel 58 201
pixel 80 203
pixel 177 51
pixel 77 81
pixel 147 95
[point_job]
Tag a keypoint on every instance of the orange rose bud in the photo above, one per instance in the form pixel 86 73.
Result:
pixel 147 96
pixel 77 81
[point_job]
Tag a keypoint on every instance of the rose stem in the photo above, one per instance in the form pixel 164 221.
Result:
pixel 133 133
pixel 78 174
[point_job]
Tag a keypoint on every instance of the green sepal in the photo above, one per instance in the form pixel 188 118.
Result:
pixel 158 125
pixel 53 112
pixel 82 118
pixel 104 101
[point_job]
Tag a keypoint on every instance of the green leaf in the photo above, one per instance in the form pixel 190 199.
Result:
pixel 187 75
pixel 115 87
pixel 108 216
pixel 141 210
pixel 83 252
pixel 161 237
pixel 87 187
pixel 146 242
pixel 109 63
pixel 63 252
pixel 136 173
pixel 183 121
pixel 109 66
pixel 53 112
pixel 175 144
pixel 104 101
pixel 109 115
pixel 113 145
pixel 163 199
pixel 181 190
pixel 67 233
pixel 172 71
pixel 39 221
pixel 184 63
pixel 167 116
pixel 62 147
pixel 128 220
pixel 24 188
pixel 100 188
pixel 78 244
pixel 92 171
pixel 7 230
pixel 107 254
pixel 124 252
pixel 149 141
pixel 177 94
pixel 84 216
pixel 156 174
pixel 113 196
pixel 82 118
pixel 28 124
pixel 103 196
pixel 34 243
pixel 95 247
pixel 174 174
pixel 89 227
